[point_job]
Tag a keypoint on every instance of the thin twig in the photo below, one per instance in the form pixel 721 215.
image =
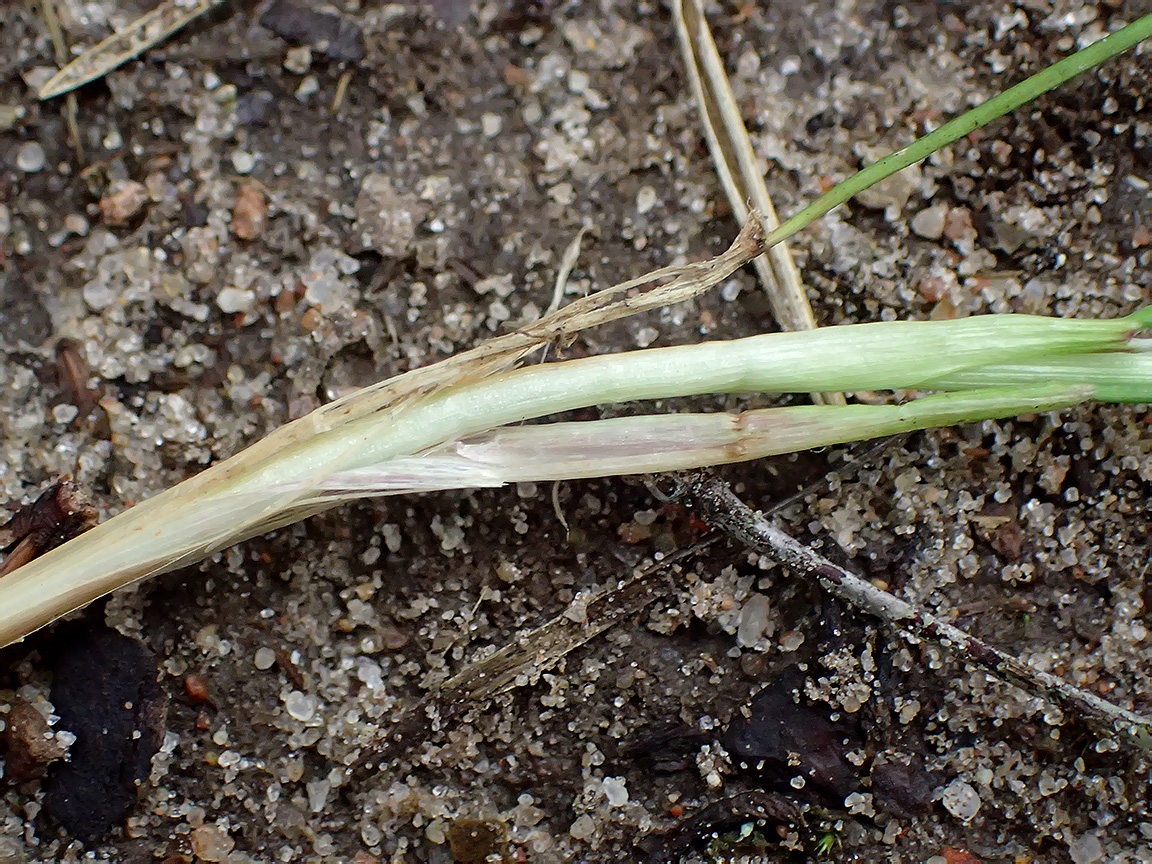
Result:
pixel 721 507
pixel 60 53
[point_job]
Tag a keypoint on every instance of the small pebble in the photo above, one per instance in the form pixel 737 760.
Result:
pixel 370 834
pixel 929 223
pixel 754 622
pixel 791 640
pixel 961 800
pixel 64 413
pixel 298 60
pixel 300 706
pixel 645 199
pixel 10 115
pixel 491 124
pixel 615 791
pixel 197 688
pixel 211 844
pixel 30 158
pixel 265 658
pixel 250 215
pixel 583 827
pixel 1086 849
pixel 317 794
pixel 308 87
pixel 31 744
pixel 233 300
pixel 124 200
pixel 76 224
pixel 243 161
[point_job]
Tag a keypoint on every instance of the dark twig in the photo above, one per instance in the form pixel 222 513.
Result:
pixel 718 505
pixel 57 515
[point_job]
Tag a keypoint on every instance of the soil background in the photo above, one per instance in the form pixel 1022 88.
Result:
pixel 264 218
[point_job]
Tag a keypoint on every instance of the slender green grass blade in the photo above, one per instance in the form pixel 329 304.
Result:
pixel 1009 100
pixel 1119 377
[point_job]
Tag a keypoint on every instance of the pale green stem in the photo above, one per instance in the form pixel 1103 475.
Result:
pixel 194 519
pixel 881 356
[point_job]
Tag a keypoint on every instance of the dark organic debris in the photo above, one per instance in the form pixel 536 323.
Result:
pixel 474 841
pixel 59 514
pixel 901 785
pixel 755 806
pixel 72 374
pixel 106 694
pixel 328 32
pixel 667 751
pixel 123 202
pixel 782 740
pixel 254 108
pixel 22 315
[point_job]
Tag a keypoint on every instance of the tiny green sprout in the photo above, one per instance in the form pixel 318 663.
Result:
pixel 829 840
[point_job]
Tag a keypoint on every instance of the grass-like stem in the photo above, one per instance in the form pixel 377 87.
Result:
pixel 264 487
pixel 999 105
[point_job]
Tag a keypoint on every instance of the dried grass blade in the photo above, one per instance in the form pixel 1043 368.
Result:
pixel 522 659
pixel 149 29
pixel 739 169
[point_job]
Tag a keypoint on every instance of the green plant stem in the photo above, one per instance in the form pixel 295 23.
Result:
pixel 997 106
pixel 1120 377
pixel 880 356
pixel 247 495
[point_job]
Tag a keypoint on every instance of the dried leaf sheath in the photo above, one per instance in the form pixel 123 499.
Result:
pixel 669 442
pixel 230 501
pixel 736 162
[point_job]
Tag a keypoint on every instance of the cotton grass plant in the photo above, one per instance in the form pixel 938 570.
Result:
pixel 453 425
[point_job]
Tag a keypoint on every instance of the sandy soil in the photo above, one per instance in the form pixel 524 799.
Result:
pixel 205 322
